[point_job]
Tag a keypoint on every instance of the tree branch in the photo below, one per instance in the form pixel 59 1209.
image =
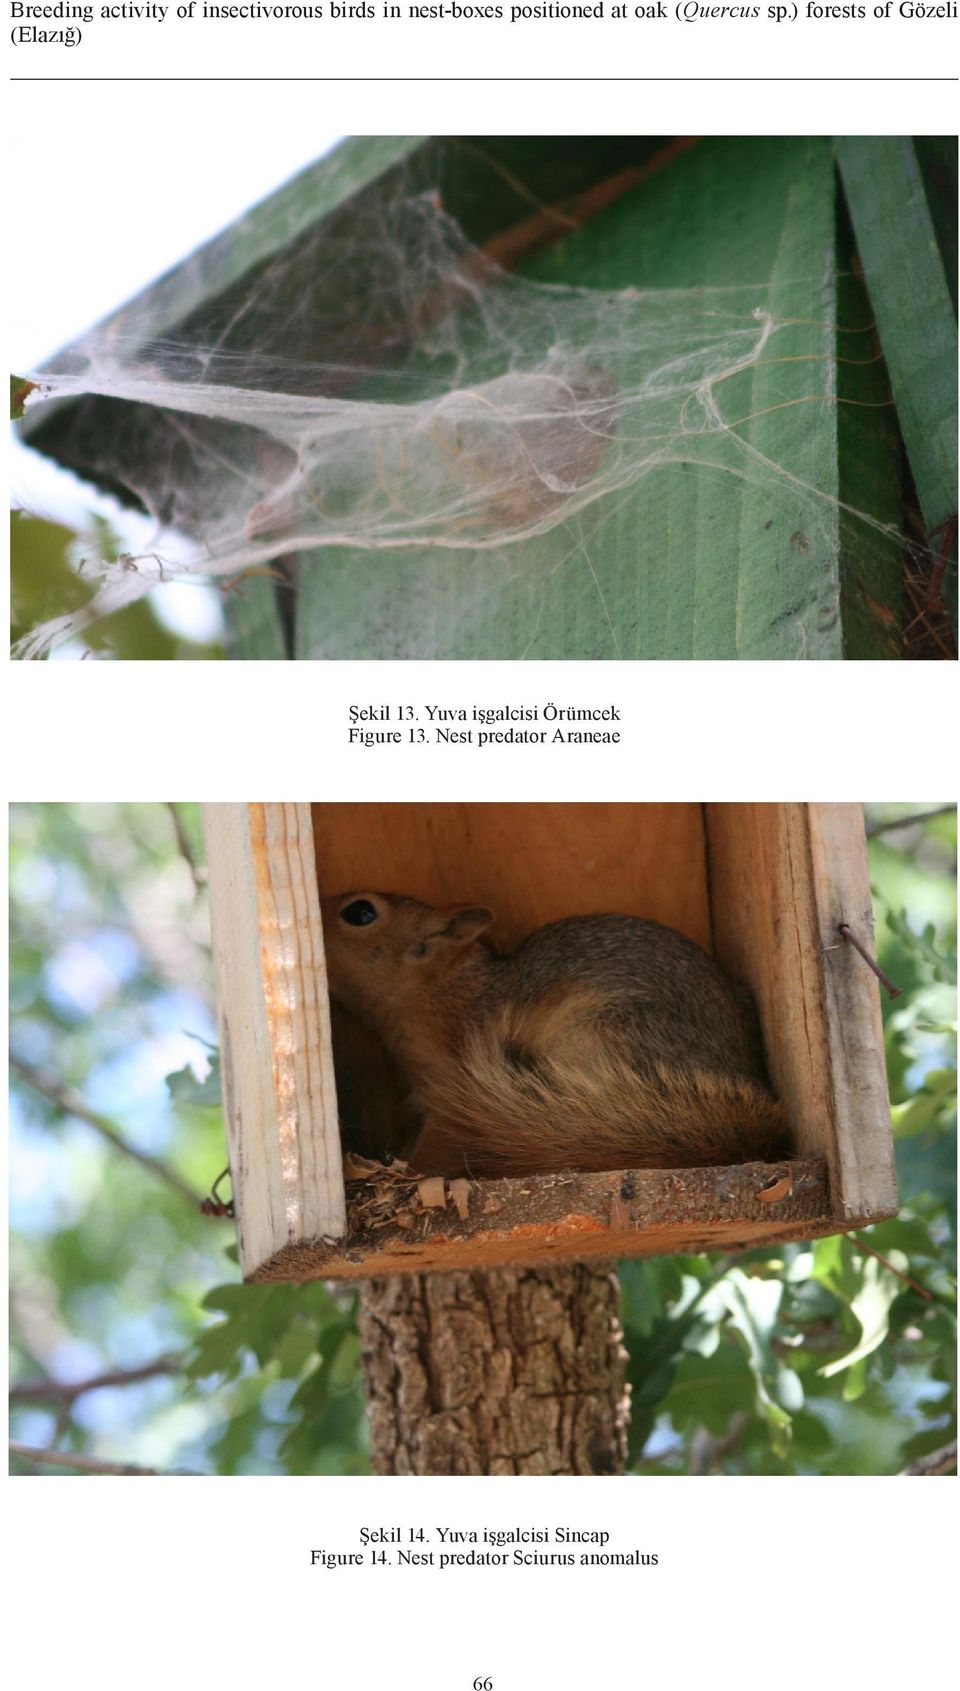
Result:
pixel 197 872
pixel 941 1461
pixel 62 1391
pixel 907 1279
pixel 707 1452
pixel 83 1464
pixel 72 1104
pixel 876 828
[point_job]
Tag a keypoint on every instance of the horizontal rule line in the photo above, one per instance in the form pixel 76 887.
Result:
pixel 400 79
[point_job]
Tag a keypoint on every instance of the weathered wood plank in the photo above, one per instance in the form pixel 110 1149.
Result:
pixel 869 459
pixel 780 877
pixel 765 932
pixel 864 1174
pixel 533 863
pixel 908 288
pixel 557 1218
pixel 279 1093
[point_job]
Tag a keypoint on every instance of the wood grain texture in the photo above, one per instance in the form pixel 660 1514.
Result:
pixel 532 863
pixel 279 1094
pixel 562 1218
pixel 765 933
pixel 864 1177
pixel 781 877
pixel 910 296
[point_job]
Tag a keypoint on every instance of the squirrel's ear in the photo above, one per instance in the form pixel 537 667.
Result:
pixel 460 925
pixel 467 924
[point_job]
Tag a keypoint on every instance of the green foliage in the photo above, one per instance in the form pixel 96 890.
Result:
pixel 46 580
pixel 187 1090
pixel 20 391
pixel 832 1357
pixel 110 1267
pixel 43 582
pixel 835 1357
pixel 302 1337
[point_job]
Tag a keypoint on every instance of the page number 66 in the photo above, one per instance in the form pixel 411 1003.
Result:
pixel 482 1684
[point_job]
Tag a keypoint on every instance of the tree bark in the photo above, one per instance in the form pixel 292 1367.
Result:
pixel 517 1371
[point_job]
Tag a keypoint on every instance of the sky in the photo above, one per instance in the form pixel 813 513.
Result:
pixel 132 194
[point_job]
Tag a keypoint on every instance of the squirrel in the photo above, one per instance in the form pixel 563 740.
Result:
pixel 599 1042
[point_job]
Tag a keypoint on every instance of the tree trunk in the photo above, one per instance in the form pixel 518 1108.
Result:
pixel 517 1371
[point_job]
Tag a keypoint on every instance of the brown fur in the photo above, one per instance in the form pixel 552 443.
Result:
pixel 376 1119
pixel 600 1042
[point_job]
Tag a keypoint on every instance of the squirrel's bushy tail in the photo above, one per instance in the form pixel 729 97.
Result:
pixel 542 1088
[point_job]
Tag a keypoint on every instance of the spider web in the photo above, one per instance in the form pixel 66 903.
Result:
pixel 461 407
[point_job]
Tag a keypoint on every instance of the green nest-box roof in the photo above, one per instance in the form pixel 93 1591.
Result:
pixel 386 376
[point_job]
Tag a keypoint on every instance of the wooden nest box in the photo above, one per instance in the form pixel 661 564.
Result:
pixel 765 887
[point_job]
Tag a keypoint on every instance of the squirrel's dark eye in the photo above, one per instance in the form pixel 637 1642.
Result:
pixel 359 914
